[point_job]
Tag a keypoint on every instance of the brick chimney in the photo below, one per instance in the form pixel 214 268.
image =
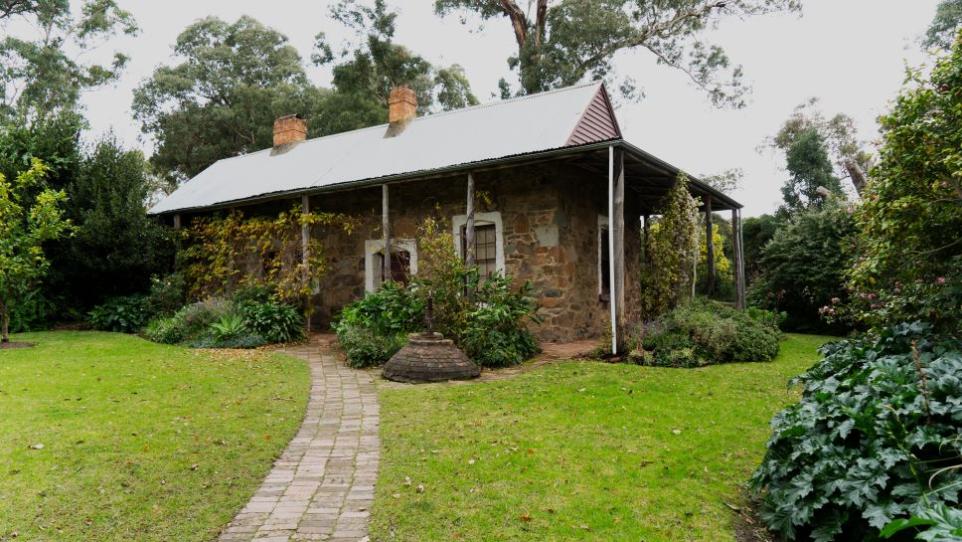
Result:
pixel 289 129
pixel 402 108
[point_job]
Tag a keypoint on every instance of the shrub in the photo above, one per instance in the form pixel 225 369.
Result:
pixel 276 322
pixel 126 314
pixel 804 266
pixel 708 332
pixel 374 327
pixel 166 330
pixel 228 326
pixel 874 439
pixel 391 310
pixel 495 334
pixel 167 294
pixel 191 322
pixel 366 348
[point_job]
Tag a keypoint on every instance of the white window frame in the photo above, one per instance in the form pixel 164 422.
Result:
pixel 374 246
pixel 602 242
pixel 482 219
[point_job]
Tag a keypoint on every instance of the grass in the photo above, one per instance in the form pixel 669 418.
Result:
pixel 579 451
pixel 139 441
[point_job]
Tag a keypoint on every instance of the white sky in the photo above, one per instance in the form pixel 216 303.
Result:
pixel 850 53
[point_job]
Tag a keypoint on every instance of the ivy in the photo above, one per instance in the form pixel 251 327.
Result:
pixel 224 253
pixel 671 252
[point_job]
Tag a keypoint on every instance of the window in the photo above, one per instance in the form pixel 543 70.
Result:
pixel 485 248
pixel 400 267
pixel 488 241
pixel 404 262
pixel 604 260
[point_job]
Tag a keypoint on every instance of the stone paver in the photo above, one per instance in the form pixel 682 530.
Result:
pixel 322 487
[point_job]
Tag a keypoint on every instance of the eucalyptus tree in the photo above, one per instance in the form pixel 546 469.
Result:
pixel 41 68
pixel 945 26
pixel 232 80
pixel 562 42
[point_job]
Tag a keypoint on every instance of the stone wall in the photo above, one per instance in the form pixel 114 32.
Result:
pixel 550 232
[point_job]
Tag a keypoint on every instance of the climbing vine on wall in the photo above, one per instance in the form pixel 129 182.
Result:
pixel 668 269
pixel 224 253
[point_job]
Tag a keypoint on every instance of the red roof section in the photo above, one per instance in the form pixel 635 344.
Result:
pixel 598 122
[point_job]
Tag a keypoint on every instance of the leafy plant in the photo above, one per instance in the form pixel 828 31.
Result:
pixel 495 334
pixel 391 310
pixel 708 332
pixel 276 322
pixel 670 254
pixel 167 294
pixel 127 314
pixel 878 422
pixel 911 214
pixel 803 268
pixel 228 326
pixel 936 524
pixel 365 348
pixel 30 215
pixel 219 253
pixel 189 322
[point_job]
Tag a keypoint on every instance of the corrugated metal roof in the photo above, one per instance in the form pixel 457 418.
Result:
pixel 534 123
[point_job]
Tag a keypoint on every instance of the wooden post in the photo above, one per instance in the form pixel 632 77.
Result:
pixel 306 258
pixel 646 225
pixel 305 236
pixel 386 229
pixel 177 221
pixel 616 244
pixel 470 251
pixel 710 246
pixel 739 263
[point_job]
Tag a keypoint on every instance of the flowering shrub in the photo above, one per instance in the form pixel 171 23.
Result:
pixel 874 439
pixel 910 251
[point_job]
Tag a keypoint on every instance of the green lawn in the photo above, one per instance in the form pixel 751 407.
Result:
pixel 139 441
pixel 579 451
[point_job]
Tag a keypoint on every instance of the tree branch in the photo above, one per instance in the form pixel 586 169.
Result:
pixel 541 21
pixel 518 20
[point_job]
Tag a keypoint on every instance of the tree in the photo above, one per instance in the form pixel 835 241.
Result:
pixel 222 99
pixel 810 174
pixel 39 77
pixel 839 134
pixel 374 64
pixel 234 79
pixel 727 181
pixel 561 43
pixel 25 225
pixel 116 247
pixel 910 252
pixel 757 231
pixel 945 26
pixel 803 267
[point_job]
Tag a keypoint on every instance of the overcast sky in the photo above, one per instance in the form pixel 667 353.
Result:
pixel 850 53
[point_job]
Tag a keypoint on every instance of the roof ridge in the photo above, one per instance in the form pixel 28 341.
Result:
pixel 494 103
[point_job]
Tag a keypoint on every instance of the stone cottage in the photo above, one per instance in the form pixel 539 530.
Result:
pixel 566 199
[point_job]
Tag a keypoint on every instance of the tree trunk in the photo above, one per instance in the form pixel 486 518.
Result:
pixel 859 179
pixel 4 322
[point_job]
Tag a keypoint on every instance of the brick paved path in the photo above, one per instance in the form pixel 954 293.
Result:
pixel 322 487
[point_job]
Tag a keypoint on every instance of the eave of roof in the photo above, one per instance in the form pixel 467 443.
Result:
pixel 518 159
